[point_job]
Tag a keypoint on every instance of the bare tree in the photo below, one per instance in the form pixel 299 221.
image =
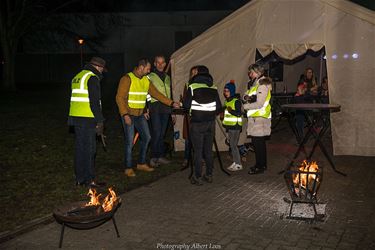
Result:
pixel 16 19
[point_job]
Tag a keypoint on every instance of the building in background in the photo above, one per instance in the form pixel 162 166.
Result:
pixel 119 32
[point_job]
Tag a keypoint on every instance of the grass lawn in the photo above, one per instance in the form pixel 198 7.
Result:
pixel 36 155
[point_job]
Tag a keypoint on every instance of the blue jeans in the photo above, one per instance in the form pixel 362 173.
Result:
pixel 85 152
pixel 159 124
pixel 140 123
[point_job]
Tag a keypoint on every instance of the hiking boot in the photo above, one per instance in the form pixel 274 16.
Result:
pixel 207 178
pixel 129 172
pixel 154 162
pixel 196 181
pixel 256 170
pixel 144 167
pixel 163 160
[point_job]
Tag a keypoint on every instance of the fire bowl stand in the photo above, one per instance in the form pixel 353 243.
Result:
pixel 85 222
pixel 300 194
pixel 85 226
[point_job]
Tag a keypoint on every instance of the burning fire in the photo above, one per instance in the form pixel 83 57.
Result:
pixel 303 178
pixel 106 204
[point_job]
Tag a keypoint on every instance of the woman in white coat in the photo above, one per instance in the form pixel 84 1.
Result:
pixel 258 109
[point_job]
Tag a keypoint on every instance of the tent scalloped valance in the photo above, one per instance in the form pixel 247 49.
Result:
pixel 288 51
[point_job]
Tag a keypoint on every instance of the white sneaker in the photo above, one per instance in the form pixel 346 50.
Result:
pixel 236 167
pixel 231 166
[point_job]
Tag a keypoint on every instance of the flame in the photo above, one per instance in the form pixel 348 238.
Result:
pixel 108 201
pixel 94 198
pixel 305 179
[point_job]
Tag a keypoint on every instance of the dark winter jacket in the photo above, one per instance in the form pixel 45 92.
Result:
pixel 203 96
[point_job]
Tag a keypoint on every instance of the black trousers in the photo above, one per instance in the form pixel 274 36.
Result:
pixel 202 137
pixel 260 149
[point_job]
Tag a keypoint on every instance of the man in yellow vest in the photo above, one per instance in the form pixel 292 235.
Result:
pixel 159 112
pixel 85 115
pixel 131 101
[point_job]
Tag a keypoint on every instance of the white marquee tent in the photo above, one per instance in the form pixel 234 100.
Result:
pixel 290 28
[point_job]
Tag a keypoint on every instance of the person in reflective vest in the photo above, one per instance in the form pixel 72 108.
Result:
pixel 255 73
pixel 186 124
pixel 85 116
pixel 232 122
pixel 259 122
pixel 160 113
pixel 203 102
pixel 131 101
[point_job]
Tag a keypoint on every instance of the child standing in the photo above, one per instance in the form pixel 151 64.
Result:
pixel 232 122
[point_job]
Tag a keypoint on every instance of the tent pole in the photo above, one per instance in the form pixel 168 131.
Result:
pixel 321 68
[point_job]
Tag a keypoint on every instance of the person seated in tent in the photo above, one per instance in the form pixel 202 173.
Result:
pixel 323 91
pixel 309 84
pixel 307 92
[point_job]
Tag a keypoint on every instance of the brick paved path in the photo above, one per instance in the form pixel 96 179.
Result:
pixel 237 212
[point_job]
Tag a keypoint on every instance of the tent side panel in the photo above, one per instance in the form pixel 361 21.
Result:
pixel 351 65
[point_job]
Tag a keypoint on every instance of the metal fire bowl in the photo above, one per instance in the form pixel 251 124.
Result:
pixel 83 222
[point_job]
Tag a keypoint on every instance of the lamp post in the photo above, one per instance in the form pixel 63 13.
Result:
pixel 81 42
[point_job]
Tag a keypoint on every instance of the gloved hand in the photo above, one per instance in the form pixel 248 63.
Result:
pixel 229 109
pixel 99 128
pixel 252 98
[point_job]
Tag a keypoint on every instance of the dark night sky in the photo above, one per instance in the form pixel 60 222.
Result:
pixel 152 5
pixel 166 5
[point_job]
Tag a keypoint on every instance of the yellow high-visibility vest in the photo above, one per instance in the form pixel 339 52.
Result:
pixel 229 119
pixel 79 100
pixel 138 91
pixel 265 110
pixel 163 87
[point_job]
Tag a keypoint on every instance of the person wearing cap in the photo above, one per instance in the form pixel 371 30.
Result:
pixel 131 98
pixel 203 101
pixel 86 117
pixel 232 122
pixel 159 112
pixel 258 109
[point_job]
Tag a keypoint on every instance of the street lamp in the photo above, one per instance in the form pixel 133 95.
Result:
pixel 81 42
